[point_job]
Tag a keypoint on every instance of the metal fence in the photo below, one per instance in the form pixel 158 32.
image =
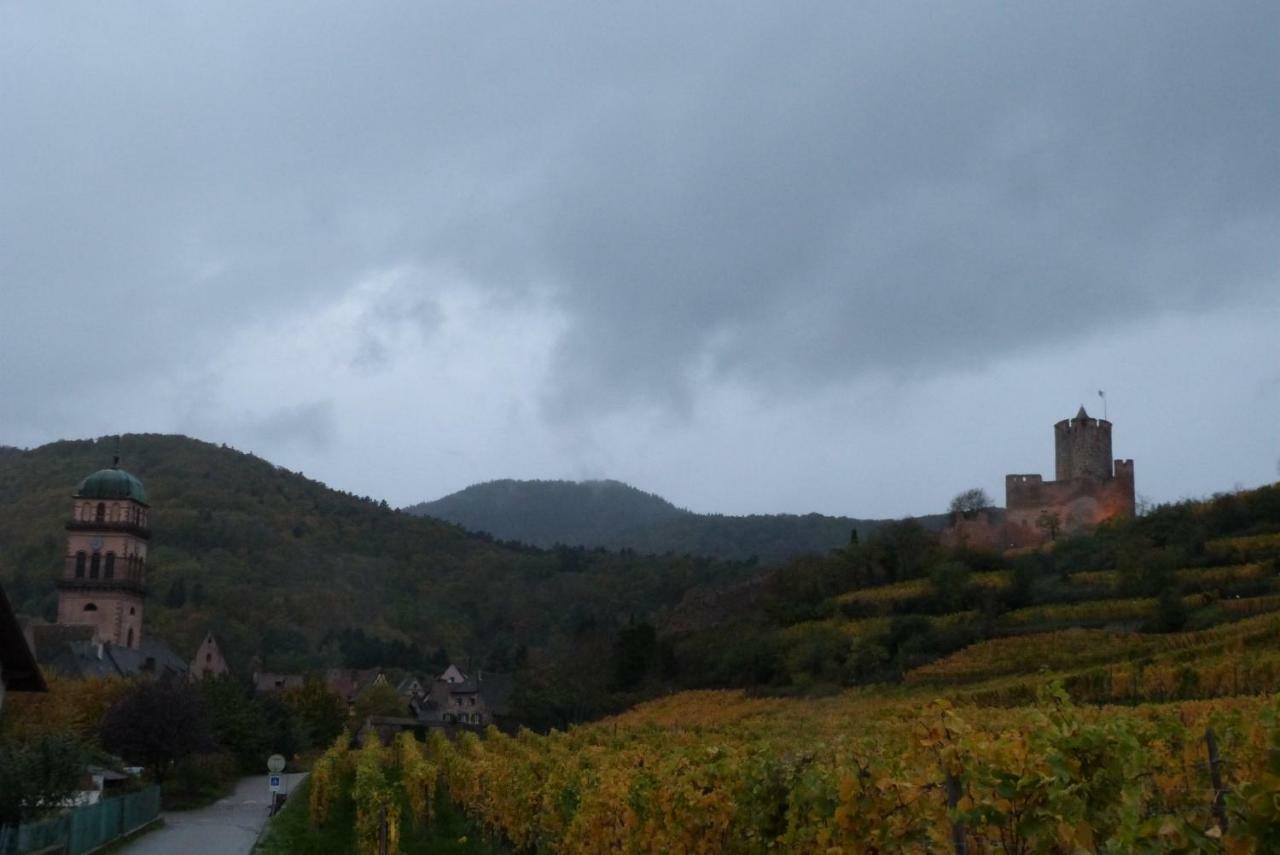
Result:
pixel 83 829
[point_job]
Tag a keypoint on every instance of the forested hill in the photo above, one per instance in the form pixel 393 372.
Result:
pixel 618 516
pixel 286 569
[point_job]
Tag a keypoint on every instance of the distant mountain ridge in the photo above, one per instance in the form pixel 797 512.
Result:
pixel 615 515
pixel 284 569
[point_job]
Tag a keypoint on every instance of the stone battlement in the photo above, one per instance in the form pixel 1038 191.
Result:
pixel 1090 488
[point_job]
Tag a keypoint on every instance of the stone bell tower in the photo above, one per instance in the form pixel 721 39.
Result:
pixel 103 582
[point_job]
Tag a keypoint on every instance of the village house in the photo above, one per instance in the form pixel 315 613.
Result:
pixel 208 661
pixel 266 682
pixel 348 683
pixel 457 698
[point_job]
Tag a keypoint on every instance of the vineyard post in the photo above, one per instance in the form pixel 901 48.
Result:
pixel 1215 776
pixel 958 836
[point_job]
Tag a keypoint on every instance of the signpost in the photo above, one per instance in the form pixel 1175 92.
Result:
pixel 275 782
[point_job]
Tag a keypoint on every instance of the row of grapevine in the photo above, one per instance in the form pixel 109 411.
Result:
pixel 1248 548
pixel 886 596
pixel 861 774
pixel 1073 649
pixel 1107 611
pixel 378 782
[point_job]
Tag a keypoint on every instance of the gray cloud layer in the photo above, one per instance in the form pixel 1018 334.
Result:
pixel 779 195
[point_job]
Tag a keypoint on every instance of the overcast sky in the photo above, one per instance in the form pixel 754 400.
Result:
pixel 755 257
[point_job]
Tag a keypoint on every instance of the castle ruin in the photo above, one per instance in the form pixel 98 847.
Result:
pixel 1089 488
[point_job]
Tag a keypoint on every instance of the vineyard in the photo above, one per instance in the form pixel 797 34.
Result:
pixel 719 772
pixel 1072 721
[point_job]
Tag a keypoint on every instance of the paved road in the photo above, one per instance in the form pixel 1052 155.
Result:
pixel 227 827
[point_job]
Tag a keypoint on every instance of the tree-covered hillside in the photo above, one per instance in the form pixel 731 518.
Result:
pixel 618 516
pixel 285 569
pixel 893 605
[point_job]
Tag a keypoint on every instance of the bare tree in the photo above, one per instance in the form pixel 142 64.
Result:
pixel 1050 522
pixel 970 502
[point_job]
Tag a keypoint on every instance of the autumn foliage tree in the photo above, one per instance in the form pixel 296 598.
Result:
pixel 380 699
pixel 157 723
pixel 319 713
pixel 38 774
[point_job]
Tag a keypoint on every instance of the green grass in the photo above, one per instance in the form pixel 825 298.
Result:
pixel 291 833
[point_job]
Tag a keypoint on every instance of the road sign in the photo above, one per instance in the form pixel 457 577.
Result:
pixel 275 783
pixel 275 764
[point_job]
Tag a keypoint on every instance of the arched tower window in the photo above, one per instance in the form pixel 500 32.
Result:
pixel 94 564
pixel 129 642
pixel 81 558
pixel 109 571
pixel 102 511
pixel 90 607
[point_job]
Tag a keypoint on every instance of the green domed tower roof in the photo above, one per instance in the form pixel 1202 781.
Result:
pixel 113 483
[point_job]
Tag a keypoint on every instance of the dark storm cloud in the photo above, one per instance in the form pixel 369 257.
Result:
pixel 787 195
pixel 313 424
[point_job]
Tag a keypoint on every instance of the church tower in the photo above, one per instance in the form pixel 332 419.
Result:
pixel 104 579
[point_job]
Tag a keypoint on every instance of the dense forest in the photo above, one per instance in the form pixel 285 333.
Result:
pixel 295 575
pixel 618 516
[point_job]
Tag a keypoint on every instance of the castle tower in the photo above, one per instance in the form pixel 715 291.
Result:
pixel 104 579
pixel 1082 448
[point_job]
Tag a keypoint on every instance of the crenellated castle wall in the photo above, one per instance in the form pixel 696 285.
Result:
pixel 1079 503
pixel 1090 489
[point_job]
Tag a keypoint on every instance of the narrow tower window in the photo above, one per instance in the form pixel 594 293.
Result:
pixel 109 571
pixel 81 557
pixel 102 511
pixel 94 563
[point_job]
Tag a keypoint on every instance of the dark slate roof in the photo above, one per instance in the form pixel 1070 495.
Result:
pixel 495 689
pixel 1082 414
pixel 21 673
pixel 151 655
pixel 71 651
pixel 267 681
pixel 113 483
pixel 49 640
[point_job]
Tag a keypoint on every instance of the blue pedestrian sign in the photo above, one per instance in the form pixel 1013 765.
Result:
pixel 275 783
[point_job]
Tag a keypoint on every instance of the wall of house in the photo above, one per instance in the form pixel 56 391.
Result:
pixel 208 661
pixel 113 614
